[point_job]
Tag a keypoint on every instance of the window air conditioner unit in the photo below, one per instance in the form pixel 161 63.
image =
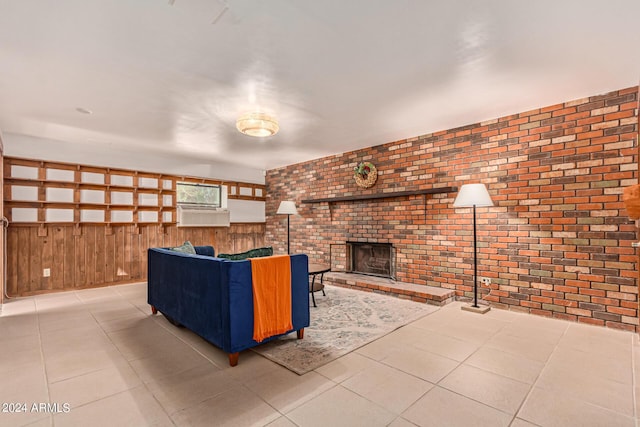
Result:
pixel 196 216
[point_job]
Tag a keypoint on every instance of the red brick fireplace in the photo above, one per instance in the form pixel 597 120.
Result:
pixel 556 243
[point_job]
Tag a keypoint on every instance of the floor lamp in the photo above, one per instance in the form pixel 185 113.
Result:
pixel 474 195
pixel 288 208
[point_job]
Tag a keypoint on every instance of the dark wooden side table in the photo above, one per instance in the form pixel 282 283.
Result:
pixel 314 270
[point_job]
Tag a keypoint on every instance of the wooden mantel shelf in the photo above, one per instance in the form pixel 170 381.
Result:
pixel 382 195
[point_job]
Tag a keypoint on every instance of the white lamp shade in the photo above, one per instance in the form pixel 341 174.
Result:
pixel 287 207
pixel 472 195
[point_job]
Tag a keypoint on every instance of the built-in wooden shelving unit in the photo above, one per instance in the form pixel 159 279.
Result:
pixel 43 192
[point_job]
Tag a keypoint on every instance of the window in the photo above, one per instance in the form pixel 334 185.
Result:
pixel 198 194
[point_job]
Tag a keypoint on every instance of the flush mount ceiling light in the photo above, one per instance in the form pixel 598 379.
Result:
pixel 257 124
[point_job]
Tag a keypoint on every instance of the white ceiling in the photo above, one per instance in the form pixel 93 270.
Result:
pixel 339 75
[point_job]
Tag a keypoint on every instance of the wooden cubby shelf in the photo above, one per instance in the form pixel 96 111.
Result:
pixel 84 186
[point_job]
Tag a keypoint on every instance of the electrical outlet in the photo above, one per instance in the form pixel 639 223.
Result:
pixel 486 281
pixel 46 272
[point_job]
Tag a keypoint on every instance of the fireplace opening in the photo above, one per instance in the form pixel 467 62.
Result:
pixel 374 259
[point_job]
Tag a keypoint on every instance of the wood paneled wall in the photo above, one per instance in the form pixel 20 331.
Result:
pixel 99 255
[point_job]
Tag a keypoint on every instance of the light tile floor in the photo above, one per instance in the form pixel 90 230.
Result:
pixel 102 353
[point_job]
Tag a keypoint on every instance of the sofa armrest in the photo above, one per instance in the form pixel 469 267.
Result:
pixel 188 289
pixel 239 293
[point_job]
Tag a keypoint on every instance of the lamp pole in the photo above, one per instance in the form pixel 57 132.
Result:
pixel 475 260
pixel 288 235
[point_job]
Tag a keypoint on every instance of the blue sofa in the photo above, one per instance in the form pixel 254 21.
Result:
pixel 213 297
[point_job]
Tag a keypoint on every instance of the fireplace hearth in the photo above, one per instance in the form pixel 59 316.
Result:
pixel 374 259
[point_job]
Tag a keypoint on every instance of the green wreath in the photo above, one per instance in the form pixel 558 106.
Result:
pixel 365 174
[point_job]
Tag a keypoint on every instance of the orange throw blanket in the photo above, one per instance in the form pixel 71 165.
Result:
pixel 271 296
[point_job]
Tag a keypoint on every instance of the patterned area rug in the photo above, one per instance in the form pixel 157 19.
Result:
pixel 344 321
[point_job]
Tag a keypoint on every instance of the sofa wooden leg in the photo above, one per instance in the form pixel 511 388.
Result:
pixel 154 310
pixel 233 358
pixel 300 333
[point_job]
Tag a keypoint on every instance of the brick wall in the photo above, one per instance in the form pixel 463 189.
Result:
pixel 556 243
